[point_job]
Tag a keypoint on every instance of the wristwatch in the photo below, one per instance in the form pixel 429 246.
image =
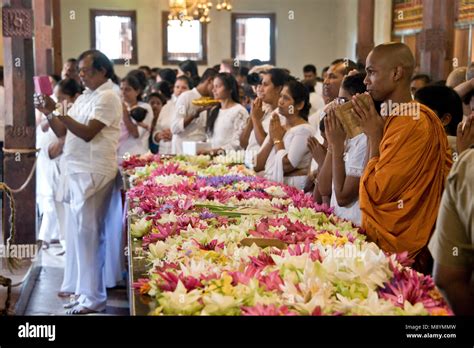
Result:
pixel 276 142
pixel 53 114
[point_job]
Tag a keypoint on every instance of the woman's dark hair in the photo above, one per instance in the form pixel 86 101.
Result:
pixel 248 91
pixel 244 71
pixel 309 86
pixel 230 84
pixel 99 62
pixel 115 79
pixel 354 84
pixel 141 78
pixel 156 95
pixel 164 88
pixel 187 80
pixel 167 75
pixel 278 76
pixel 208 74
pixel 56 78
pixel 442 100
pixel 322 129
pixel 133 82
pixel 70 87
pixel 190 66
pixel 299 93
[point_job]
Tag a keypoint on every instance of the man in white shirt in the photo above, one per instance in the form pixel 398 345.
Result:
pixel 189 121
pixel 338 69
pixel 92 128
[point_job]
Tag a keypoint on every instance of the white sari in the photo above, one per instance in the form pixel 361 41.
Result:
pixel 296 148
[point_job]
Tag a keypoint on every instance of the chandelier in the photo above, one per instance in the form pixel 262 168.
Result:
pixel 188 10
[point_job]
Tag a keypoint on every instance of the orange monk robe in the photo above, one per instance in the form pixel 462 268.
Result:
pixel 401 190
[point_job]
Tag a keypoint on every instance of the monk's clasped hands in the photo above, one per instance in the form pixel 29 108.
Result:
pixel 369 119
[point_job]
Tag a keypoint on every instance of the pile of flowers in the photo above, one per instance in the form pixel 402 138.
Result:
pixel 218 240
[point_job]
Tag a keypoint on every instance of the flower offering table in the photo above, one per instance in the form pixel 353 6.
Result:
pixel 208 237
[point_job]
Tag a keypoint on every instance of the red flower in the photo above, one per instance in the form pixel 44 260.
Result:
pixel 266 310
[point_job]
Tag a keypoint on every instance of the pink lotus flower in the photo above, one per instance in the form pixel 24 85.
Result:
pixel 167 266
pixel 293 233
pixel 164 231
pixel 243 277
pixel 212 245
pixel 409 285
pixel 142 285
pixel 271 282
pixel 140 161
pixel 296 250
pixel 263 260
pixel 169 281
pixel 267 310
pixel 170 169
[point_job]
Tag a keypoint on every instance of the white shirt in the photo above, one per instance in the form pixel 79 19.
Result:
pixel 196 130
pixel 2 113
pixel 47 173
pixel 98 156
pixel 319 88
pixel 295 141
pixel 355 161
pixel 253 145
pixel 164 122
pixel 317 102
pixel 228 127
pixel 314 120
pixel 132 145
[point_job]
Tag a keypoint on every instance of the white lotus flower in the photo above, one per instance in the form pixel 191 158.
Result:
pixel 180 301
pixel 218 304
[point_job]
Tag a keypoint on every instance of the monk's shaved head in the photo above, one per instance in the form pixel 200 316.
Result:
pixel 456 77
pixel 389 69
pixel 394 54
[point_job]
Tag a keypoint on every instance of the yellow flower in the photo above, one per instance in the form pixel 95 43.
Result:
pixel 327 238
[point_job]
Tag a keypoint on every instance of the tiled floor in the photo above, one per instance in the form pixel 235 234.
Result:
pixel 44 299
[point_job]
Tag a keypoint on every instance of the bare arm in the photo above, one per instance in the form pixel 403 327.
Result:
pixel 464 88
pixel 263 156
pixel 454 284
pixel 56 148
pixel 245 136
pixel 325 176
pixel 127 120
pixel 260 134
pixel 346 188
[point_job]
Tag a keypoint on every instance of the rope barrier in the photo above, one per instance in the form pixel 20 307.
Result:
pixel 10 192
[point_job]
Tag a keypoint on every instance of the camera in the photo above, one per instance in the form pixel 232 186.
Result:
pixel 254 79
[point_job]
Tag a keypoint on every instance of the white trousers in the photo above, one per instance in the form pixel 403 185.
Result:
pixel 49 227
pixel 89 198
pixel 70 278
pixel 114 243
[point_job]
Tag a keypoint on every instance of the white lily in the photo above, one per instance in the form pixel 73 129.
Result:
pixel 180 302
pixel 218 304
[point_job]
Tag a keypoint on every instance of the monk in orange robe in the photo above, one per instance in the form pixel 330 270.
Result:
pixel 409 159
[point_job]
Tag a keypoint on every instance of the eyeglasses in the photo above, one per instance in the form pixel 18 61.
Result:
pixel 341 100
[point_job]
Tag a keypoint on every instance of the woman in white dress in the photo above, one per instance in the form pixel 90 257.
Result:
pixel 133 140
pixel 162 135
pixel 134 134
pixel 227 120
pixel 284 155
